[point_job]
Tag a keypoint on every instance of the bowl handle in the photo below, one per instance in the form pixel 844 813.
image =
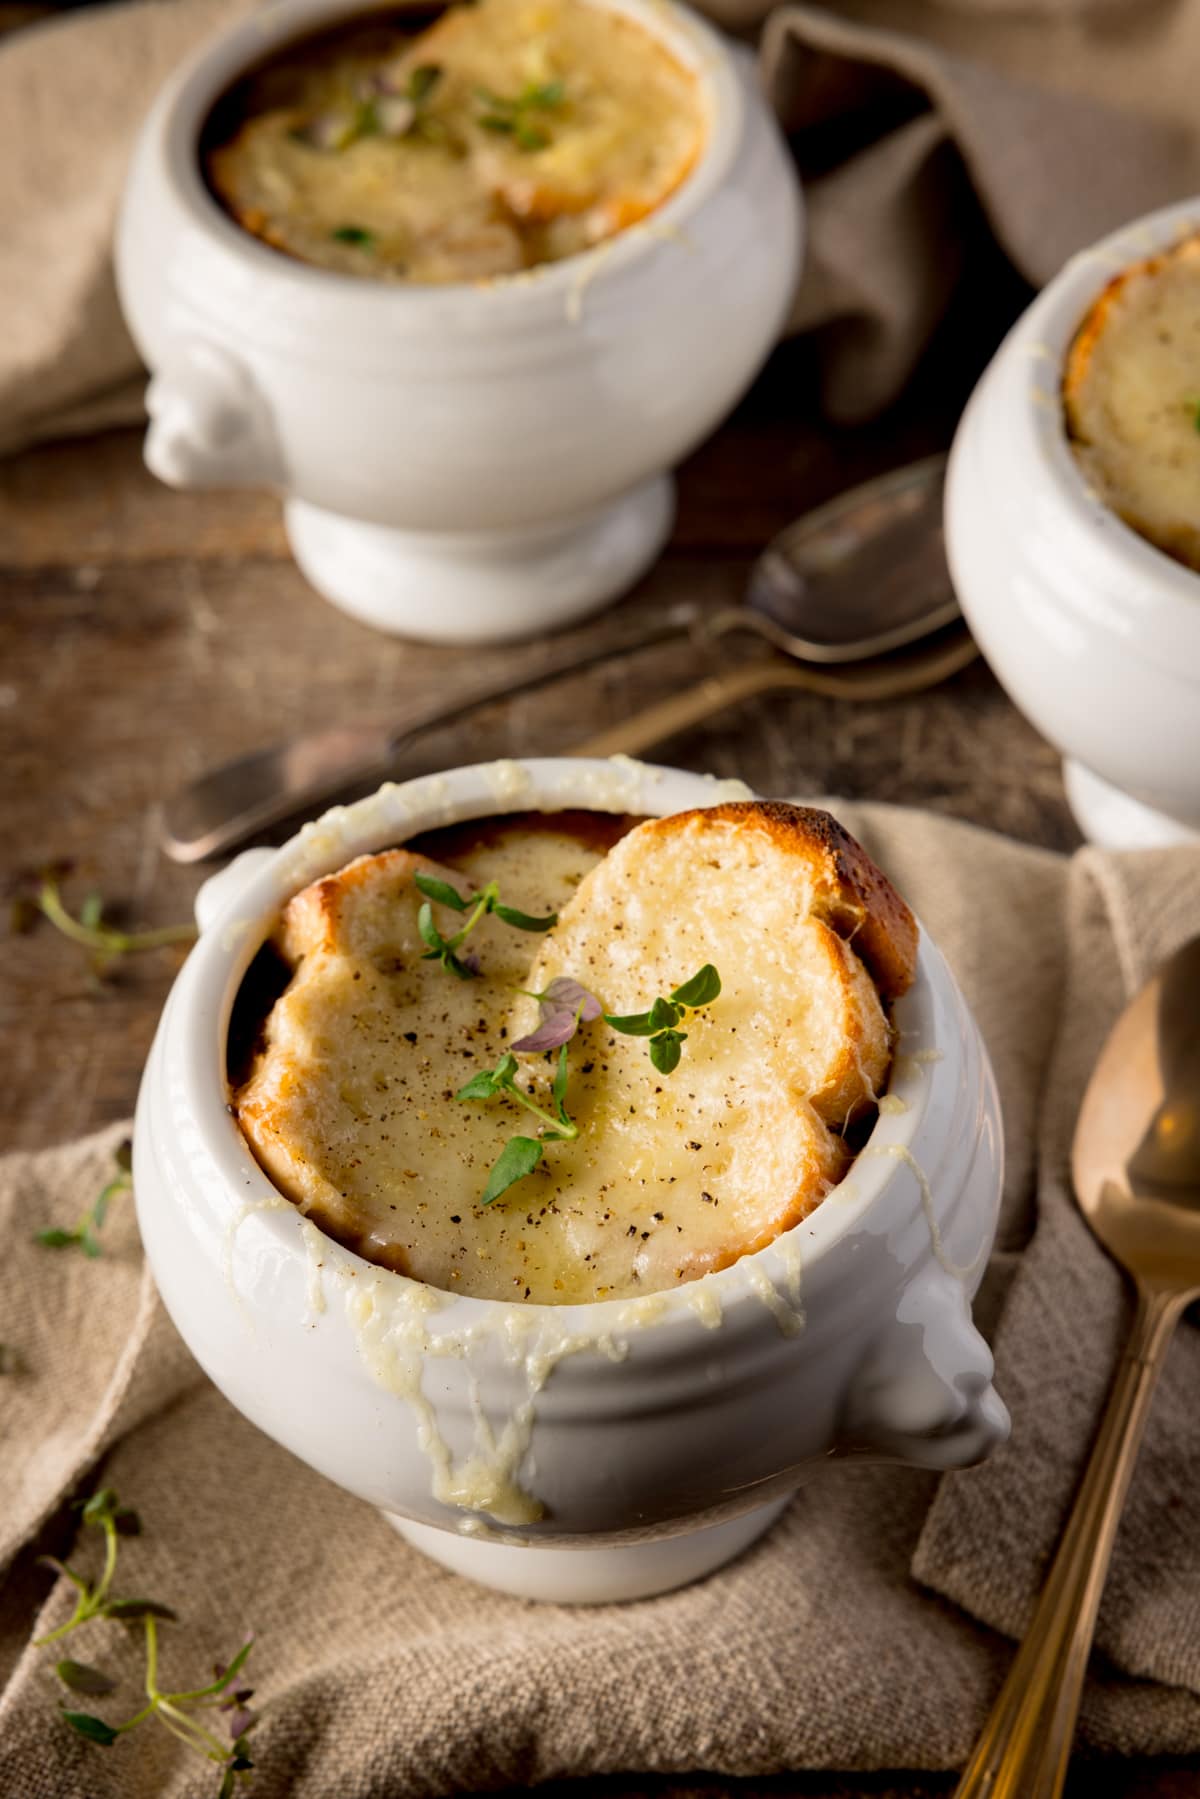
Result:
pixel 209 425
pixel 924 1392
pixel 220 890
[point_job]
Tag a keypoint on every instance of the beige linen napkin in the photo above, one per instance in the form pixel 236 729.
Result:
pixel 916 127
pixel 853 1636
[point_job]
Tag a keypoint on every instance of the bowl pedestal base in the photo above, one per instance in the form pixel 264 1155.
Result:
pixel 602 1576
pixel 1115 820
pixel 482 586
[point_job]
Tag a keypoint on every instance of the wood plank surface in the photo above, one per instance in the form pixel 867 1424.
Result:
pixel 145 635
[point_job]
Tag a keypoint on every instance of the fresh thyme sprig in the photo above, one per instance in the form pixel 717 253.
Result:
pixel 84 1234
pixel 476 906
pixel 380 110
pixel 659 1023
pixel 521 1155
pixel 175 1711
pixel 511 114
pixel 104 941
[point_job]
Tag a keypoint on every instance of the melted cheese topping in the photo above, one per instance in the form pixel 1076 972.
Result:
pixel 548 126
pixel 351 1107
pixel 1132 395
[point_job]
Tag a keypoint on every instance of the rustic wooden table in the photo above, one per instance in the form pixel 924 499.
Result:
pixel 147 634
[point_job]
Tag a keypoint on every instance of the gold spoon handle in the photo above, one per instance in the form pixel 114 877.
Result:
pixel 881 680
pixel 1026 1743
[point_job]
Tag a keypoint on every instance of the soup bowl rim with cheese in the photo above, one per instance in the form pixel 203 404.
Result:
pixel 1092 629
pixel 866 1302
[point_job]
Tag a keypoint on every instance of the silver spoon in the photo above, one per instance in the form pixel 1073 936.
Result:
pixel 1136 1166
pixel 861 577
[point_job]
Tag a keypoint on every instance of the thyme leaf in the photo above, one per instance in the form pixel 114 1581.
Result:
pixel 564 1005
pixel 178 1712
pixel 509 114
pixel 476 906
pixel 84 1234
pixel 659 1022
pixel 519 1157
pixel 356 235
pixel 106 944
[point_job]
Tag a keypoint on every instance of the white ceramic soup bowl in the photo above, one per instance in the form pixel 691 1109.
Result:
pixel 470 462
pixel 1093 631
pixel 576 1452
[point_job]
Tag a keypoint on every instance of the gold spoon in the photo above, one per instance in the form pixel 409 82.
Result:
pixel 1136 1166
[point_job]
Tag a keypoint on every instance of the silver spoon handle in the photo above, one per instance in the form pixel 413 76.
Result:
pixel 225 806
pixel 1026 1743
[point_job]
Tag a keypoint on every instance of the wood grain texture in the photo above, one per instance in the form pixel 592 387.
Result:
pixel 145 635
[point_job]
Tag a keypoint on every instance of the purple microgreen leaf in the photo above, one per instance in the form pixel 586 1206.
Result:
pixel 701 990
pixel 240 1721
pixel 564 1005
pixel 557 1029
pixel 94 1729
pixel 471 963
pixel 519 1157
pixel 441 891
pixel 563 991
pixel 81 1677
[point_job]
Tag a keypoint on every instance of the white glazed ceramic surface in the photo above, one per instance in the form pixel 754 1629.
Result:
pixel 467 462
pixel 1094 632
pixel 644 1442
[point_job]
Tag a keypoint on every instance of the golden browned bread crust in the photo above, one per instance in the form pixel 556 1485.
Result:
pixel 854 896
pixel 350 1105
pixel 1131 398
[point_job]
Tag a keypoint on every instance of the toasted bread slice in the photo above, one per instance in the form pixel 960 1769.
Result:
pixel 351 1105
pixel 1131 391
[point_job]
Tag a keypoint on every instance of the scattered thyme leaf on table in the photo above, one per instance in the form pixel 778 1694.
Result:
pixel 85 1234
pixel 105 942
pixel 660 1021
pixel 475 906
pixel 177 1712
